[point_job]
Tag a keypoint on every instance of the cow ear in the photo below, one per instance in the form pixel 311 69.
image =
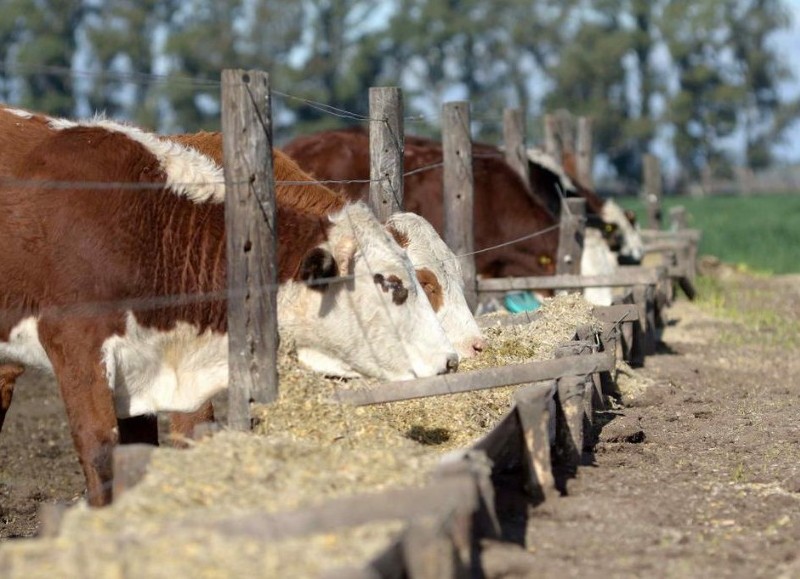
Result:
pixel 318 266
pixel 399 237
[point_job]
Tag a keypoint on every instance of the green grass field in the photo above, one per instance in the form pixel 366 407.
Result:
pixel 762 233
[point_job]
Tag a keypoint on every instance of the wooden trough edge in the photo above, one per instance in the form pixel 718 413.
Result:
pixel 625 276
pixel 694 235
pixel 478 379
pixel 620 313
pixel 446 518
pixel 616 313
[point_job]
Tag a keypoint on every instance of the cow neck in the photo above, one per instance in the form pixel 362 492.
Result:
pixel 294 188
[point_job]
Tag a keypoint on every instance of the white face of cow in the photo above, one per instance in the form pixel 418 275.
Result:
pixel 632 244
pixel 432 258
pixel 378 321
pixel 597 259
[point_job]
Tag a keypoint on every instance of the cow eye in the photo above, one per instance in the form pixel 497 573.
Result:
pixel 392 284
pixel 399 294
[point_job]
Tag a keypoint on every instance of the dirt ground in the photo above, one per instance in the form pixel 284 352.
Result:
pixel 699 475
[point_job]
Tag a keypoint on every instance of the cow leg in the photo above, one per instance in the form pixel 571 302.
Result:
pixel 8 377
pixel 138 429
pixel 182 424
pixel 74 349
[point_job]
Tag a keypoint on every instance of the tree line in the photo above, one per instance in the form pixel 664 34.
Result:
pixel 696 75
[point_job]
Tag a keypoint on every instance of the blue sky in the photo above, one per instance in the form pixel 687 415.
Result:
pixel 789 46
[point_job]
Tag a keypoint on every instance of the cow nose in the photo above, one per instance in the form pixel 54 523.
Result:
pixel 452 364
pixel 478 346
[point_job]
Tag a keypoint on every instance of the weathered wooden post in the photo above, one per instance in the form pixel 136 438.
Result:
pixel 552 144
pixel 251 229
pixel 458 192
pixel 677 218
pixel 386 151
pixel 706 181
pixel 652 190
pixel 584 153
pixel 570 237
pixel 566 136
pixel 514 141
pixel 535 408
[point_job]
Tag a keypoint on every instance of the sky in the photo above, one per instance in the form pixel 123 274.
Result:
pixel 789 45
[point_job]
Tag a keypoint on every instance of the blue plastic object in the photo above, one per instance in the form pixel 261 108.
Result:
pixel 516 302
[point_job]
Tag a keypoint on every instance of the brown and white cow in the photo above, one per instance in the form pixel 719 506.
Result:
pixel 514 234
pixel 437 267
pixel 543 168
pixel 119 289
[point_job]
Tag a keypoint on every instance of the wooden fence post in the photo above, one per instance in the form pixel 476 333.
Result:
pixel 677 218
pixel 584 153
pixel 386 151
pixel 551 138
pixel 570 236
pixel 652 190
pixel 566 137
pixel 458 192
pixel 514 140
pixel 251 230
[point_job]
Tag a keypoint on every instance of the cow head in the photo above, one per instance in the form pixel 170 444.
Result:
pixel 631 248
pixel 609 231
pixel 439 274
pixel 357 308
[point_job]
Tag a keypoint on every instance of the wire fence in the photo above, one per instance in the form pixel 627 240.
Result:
pixel 109 186
pixel 184 299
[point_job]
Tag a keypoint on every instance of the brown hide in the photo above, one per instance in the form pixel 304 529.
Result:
pixel 503 210
pixel 17 137
pixel 292 185
pixel 80 256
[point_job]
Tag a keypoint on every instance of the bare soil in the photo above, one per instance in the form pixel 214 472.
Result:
pixel 697 475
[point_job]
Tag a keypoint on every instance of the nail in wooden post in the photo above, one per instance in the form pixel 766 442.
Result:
pixel 514 141
pixel 570 239
pixel 251 229
pixel 458 192
pixel 386 151
pixel 652 191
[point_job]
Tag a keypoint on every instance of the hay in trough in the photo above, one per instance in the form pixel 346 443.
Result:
pixel 304 451
pixel 195 551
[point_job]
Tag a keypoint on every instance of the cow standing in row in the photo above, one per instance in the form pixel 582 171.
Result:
pixel 114 278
